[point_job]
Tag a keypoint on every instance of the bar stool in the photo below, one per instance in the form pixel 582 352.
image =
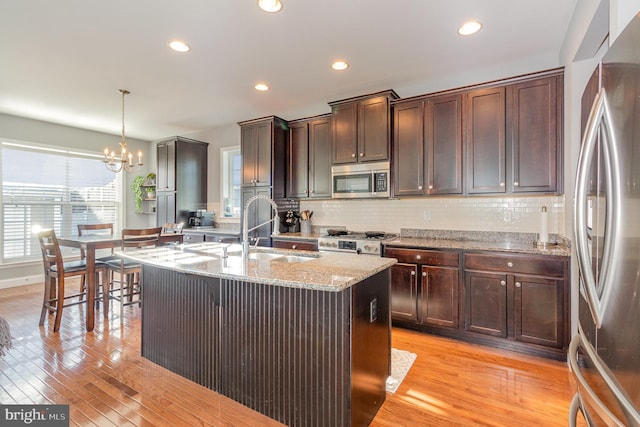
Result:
pixel 56 270
pixel 130 271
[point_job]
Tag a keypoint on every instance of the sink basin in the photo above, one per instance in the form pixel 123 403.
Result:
pixel 276 257
pixel 293 258
pixel 264 256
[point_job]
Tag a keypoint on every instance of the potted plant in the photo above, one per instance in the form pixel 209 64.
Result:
pixel 137 187
pixel 150 185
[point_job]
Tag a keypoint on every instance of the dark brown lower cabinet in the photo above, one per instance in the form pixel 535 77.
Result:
pixel 431 301
pixel 295 244
pixel 520 298
pixel 508 300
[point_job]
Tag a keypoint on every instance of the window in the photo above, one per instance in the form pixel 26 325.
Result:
pixel 231 169
pixel 52 188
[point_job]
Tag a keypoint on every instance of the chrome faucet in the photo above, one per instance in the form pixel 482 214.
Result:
pixel 245 222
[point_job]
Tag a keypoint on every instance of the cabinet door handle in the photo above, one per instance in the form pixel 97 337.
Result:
pixel 516 184
pixel 424 274
pixel 419 187
pixel 510 264
pixel 518 284
pixel 503 283
pixel 353 155
pixel 293 246
pixel 502 184
pixel 418 256
pixel 431 187
pixel 361 154
pixel 413 273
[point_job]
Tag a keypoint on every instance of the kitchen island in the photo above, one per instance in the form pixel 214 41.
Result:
pixel 301 337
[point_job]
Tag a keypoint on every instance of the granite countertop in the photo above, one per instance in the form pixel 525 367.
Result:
pixel 211 230
pixel 480 241
pixel 298 236
pixel 325 271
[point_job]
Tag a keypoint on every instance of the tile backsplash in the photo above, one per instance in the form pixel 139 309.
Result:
pixel 512 214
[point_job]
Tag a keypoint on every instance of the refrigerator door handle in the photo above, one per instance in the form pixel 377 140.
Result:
pixel 585 391
pixel 574 408
pixel 599 119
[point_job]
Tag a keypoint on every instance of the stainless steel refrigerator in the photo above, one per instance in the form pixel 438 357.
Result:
pixel 604 357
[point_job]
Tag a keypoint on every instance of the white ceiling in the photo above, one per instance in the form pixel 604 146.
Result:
pixel 63 61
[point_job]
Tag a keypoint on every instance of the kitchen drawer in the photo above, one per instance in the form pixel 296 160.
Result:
pixel 302 245
pixel 423 256
pixel 222 238
pixel 193 237
pixel 515 263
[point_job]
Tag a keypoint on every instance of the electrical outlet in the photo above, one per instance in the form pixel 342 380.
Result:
pixel 506 215
pixel 373 310
pixel 426 215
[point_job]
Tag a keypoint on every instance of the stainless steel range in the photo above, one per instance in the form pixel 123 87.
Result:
pixel 366 243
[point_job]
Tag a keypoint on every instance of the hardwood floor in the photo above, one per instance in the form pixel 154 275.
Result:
pixel 103 378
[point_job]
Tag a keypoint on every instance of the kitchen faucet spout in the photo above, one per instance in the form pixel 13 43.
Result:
pixel 245 221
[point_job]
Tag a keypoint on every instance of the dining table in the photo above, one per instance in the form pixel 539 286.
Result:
pixel 90 244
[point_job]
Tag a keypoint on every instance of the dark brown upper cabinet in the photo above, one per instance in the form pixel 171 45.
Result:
pixel 534 110
pixel 428 146
pixel 263 149
pixel 485 141
pixel 513 137
pixel 361 128
pixel 309 166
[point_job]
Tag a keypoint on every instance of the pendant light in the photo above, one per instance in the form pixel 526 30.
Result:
pixel 125 162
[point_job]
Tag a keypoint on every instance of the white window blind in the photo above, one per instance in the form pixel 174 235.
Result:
pixel 51 188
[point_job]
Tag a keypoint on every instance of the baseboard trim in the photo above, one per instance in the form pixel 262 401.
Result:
pixel 21 281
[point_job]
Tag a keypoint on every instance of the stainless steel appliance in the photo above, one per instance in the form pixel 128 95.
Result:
pixel 360 180
pixel 366 243
pixel 604 357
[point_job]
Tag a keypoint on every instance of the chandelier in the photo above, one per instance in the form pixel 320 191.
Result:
pixel 125 161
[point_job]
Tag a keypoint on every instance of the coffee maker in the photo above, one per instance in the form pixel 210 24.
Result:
pixel 200 218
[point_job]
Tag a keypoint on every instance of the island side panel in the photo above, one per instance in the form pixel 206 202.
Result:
pixel 180 328
pixel 303 357
pixel 287 352
pixel 370 346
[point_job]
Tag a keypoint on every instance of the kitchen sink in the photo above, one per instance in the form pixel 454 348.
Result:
pixel 293 258
pixel 273 256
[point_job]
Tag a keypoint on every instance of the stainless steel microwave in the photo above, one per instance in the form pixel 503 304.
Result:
pixel 360 180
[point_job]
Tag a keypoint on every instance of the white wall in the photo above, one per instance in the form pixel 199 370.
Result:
pixel 224 136
pixel 28 130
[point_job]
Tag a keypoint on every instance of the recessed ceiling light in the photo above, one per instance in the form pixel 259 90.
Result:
pixel 261 87
pixel 179 46
pixel 270 6
pixel 469 28
pixel 340 65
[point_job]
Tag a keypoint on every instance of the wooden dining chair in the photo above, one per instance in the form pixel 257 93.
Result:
pixel 129 272
pixel 56 270
pixel 172 228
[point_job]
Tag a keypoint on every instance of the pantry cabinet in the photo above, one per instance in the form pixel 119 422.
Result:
pixel 361 128
pixel 181 179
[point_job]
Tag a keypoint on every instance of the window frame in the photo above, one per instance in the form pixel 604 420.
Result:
pixel 226 179
pixel 69 205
